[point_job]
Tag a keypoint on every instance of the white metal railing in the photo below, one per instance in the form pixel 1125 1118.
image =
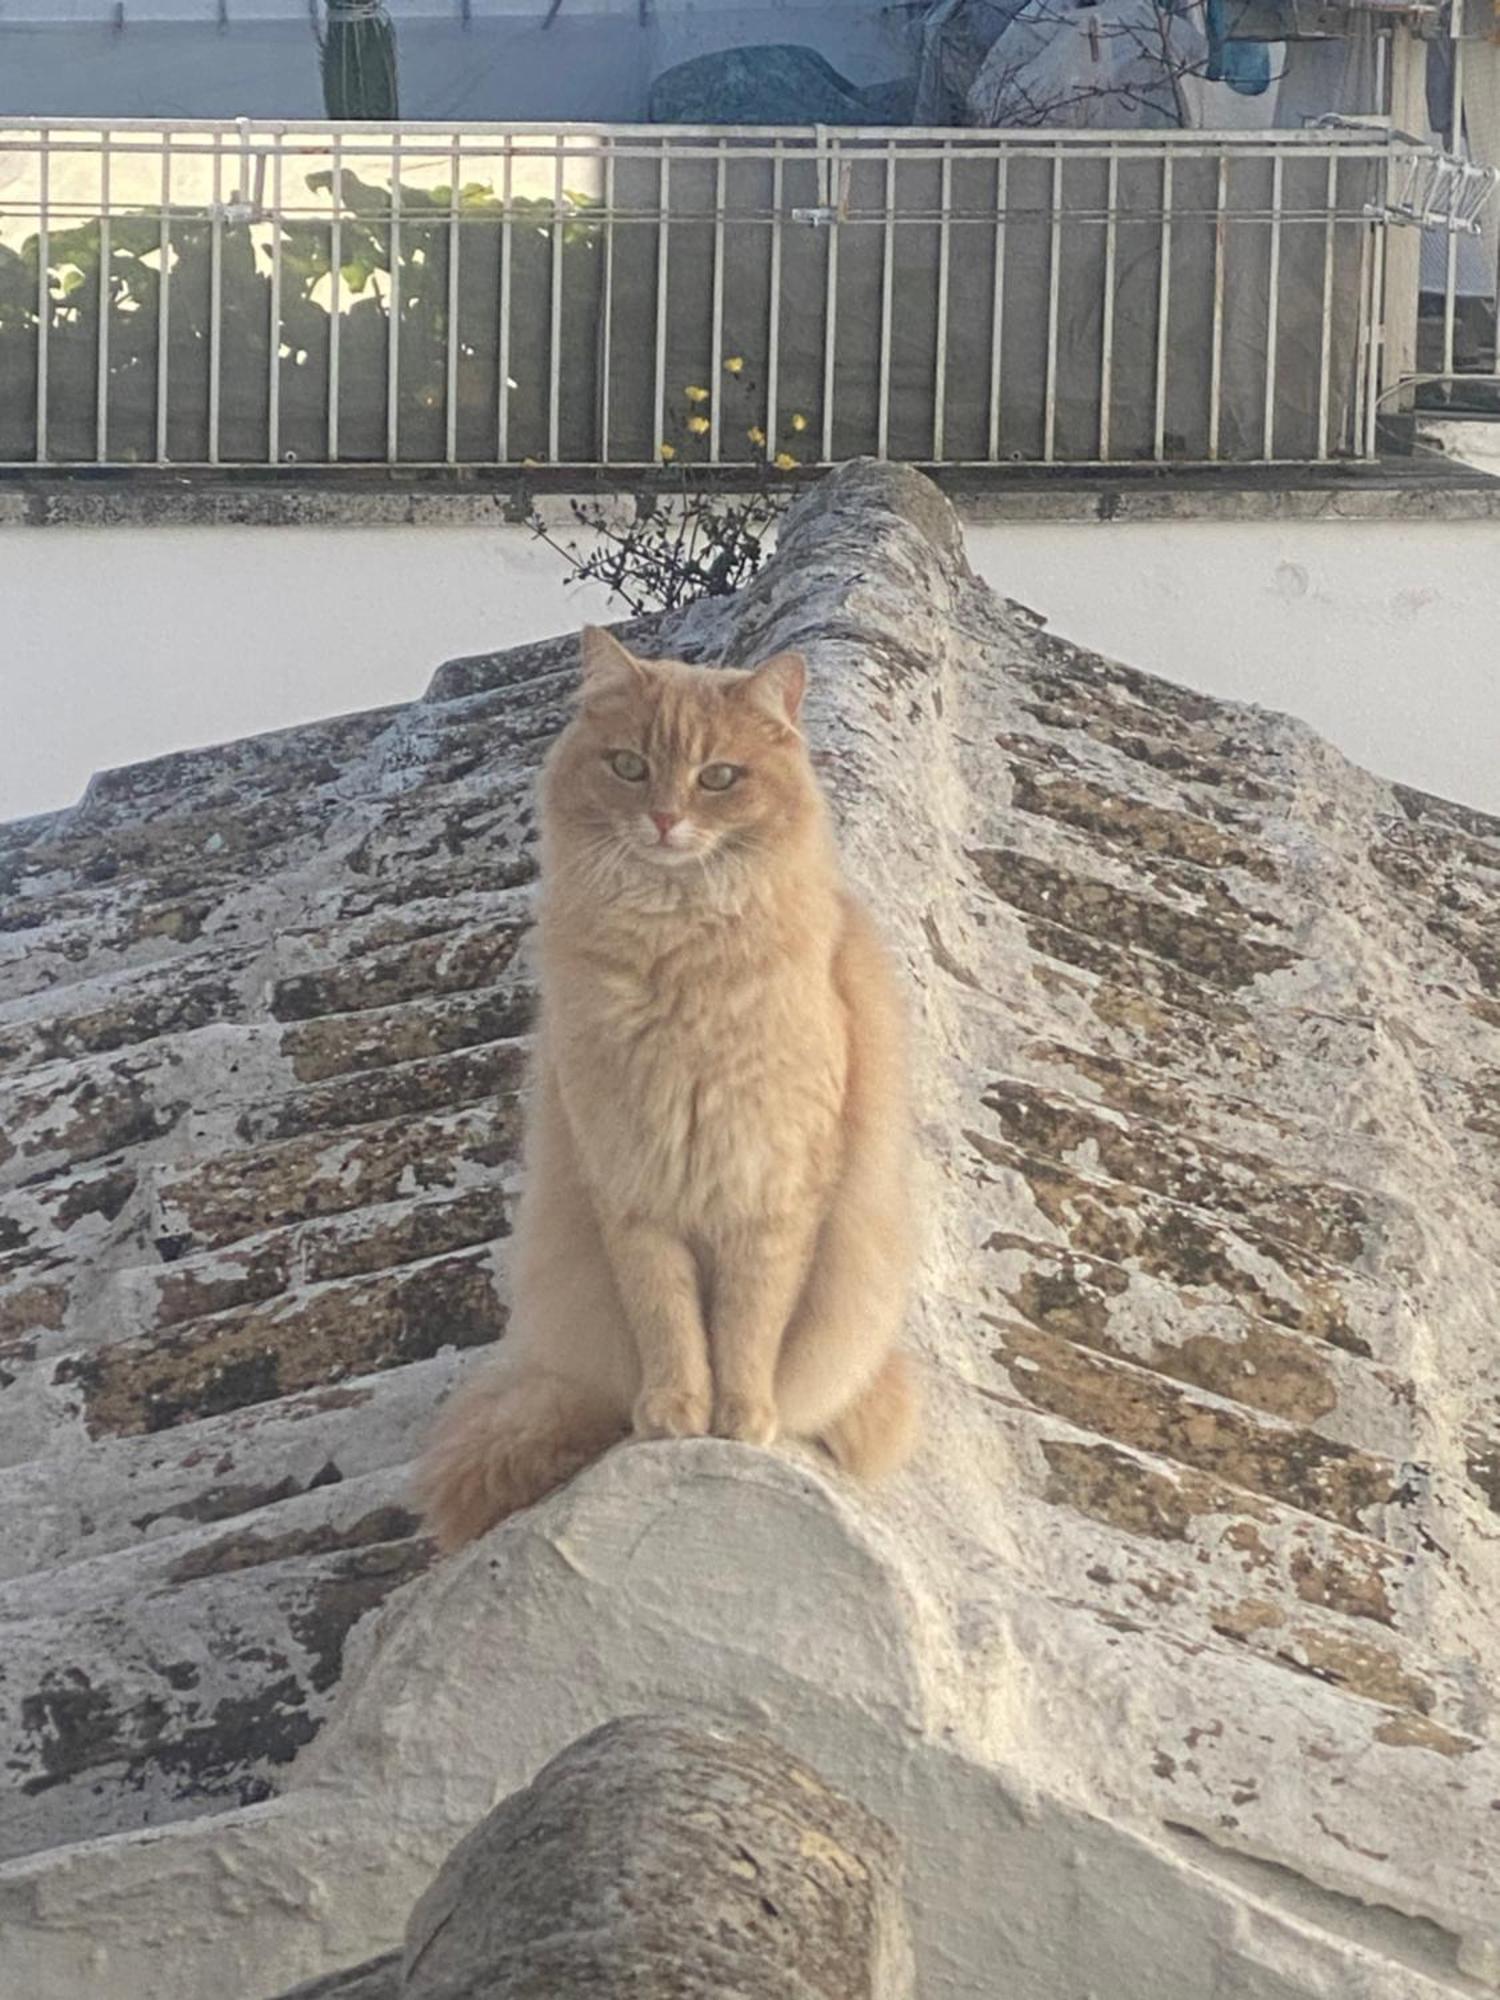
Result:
pixel 269 294
pixel 1458 358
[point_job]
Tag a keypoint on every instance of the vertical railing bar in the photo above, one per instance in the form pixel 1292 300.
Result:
pixel 1377 340
pixel 659 396
pixel 43 290
pixel 1273 300
pixel 716 377
pixel 997 305
pixel 1494 304
pixel 242 190
pixel 1455 143
pixel 335 277
pixel 1216 348
pixel 773 329
pixel 393 319
pixel 1107 311
pixel 831 299
pixel 1366 334
pixel 940 369
pixel 164 299
pixel 1054 279
pixel 450 411
pixel 215 298
pixel 1325 355
pixel 1163 311
pixel 1450 302
pixel 273 380
pixel 883 417
pixel 554 330
pixel 502 414
pixel 607 306
pixel 101 380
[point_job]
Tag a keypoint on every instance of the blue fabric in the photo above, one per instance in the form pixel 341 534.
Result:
pixel 1244 66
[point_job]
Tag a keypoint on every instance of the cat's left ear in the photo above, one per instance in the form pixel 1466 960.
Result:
pixel 778 685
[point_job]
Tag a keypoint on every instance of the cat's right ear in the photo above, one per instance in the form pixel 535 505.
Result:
pixel 605 659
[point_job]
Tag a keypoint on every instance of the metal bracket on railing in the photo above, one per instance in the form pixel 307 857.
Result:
pixel 828 212
pixel 1430 189
pixel 247 203
pixel 833 187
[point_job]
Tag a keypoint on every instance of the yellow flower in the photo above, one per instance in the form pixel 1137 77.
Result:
pixel 668 451
pixel 694 394
pixel 734 364
pixel 755 434
pixel 784 461
pixel 799 422
pixel 698 426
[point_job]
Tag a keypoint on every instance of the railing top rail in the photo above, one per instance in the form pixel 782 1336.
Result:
pixel 1371 137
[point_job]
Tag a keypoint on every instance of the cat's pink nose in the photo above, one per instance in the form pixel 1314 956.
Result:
pixel 664 822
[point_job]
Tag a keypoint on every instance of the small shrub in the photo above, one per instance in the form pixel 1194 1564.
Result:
pixel 681 542
pixel 675 546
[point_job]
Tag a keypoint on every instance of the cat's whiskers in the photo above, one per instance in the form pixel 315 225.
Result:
pixel 599 862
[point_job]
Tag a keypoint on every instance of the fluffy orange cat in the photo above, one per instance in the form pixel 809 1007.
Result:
pixel 714 1235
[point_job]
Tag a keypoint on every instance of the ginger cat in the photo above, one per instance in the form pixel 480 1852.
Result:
pixel 714 1235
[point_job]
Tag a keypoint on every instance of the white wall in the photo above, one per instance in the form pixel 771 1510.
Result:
pixel 1380 634
pixel 122 643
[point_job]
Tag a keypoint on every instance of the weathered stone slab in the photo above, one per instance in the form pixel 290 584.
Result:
pixel 419 968
pixel 256 1354
pixel 244 1191
pixel 127 1491
pixel 203 1705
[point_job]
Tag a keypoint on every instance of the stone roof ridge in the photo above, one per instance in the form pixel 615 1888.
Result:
pixel 1190 1607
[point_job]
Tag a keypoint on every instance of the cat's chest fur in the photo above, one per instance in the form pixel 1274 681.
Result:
pixel 704 1075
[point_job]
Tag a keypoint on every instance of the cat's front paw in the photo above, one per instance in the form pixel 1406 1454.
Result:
pixel 670 1413
pixel 751 1419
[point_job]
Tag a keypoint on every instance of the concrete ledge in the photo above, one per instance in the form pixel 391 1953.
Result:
pixel 1429 486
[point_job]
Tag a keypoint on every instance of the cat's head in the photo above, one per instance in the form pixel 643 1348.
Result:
pixel 667 767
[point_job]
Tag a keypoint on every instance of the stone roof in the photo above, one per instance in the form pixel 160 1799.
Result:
pixel 1195 1585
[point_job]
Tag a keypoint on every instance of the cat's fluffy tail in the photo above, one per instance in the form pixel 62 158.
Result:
pixel 877 1432
pixel 506 1438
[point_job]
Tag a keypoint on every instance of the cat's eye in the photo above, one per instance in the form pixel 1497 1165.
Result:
pixel 627 764
pixel 719 777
